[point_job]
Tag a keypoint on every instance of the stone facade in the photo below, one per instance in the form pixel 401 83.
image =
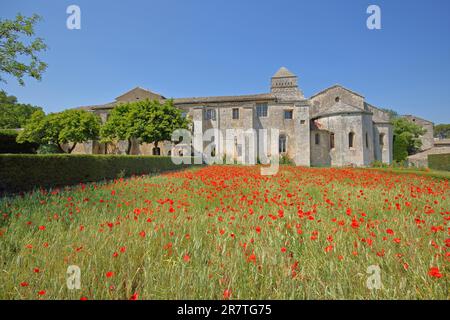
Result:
pixel 335 127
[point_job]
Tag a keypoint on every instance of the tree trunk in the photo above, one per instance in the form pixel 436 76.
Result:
pixel 73 147
pixel 129 146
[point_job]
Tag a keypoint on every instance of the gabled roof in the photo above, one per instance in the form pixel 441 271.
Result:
pixel 410 116
pixel 141 90
pixel 338 108
pixel 336 86
pixel 283 73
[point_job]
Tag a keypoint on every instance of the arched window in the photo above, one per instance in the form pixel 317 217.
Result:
pixel 331 140
pixel 317 138
pixel 381 139
pixel 351 139
pixel 282 146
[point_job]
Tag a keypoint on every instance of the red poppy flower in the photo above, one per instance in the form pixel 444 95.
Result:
pixel 134 296
pixel 434 272
pixel 42 228
pixel 142 234
pixel 252 258
pixel 283 249
pixel 186 258
pixel 83 298
pixel 227 294
pixel 24 284
pixel 42 292
pixel 109 274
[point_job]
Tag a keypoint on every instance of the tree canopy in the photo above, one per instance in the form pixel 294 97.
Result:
pixel 147 121
pixel 406 138
pixel 442 131
pixel 14 115
pixel 18 58
pixel 70 126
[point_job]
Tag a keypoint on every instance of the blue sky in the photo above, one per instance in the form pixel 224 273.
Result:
pixel 212 47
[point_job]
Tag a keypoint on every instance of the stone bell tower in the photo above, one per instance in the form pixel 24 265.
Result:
pixel 285 86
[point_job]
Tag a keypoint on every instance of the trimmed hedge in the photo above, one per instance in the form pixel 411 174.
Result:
pixel 26 172
pixel 439 161
pixel 8 143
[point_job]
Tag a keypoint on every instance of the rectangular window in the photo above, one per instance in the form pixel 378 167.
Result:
pixel 235 113
pixel 261 110
pixel 332 141
pixel 210 114
pixel 302 121
pixel 288 114
pixel 282 144
pixel 317 139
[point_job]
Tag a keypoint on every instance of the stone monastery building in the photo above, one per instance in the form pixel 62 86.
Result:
pixel 335 127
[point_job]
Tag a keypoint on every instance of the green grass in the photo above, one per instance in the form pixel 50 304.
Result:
pixel 306 233
pixel 423 172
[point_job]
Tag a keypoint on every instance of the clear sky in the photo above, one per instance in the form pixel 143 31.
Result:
pixel 214 47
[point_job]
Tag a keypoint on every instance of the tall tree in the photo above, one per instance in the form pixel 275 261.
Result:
pixel 68 127
pixel 12 114
pixel 17 57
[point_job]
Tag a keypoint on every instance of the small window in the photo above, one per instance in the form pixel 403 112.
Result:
pixel 317 138
pixel 351 138
pixel 382 139
pixel 282 144
pixel 331 140
pixel 367 140
pixel 261 110
pixel 288 114
pixel 337 99
pixel 210 114
pixel 235 113
pixel 302 121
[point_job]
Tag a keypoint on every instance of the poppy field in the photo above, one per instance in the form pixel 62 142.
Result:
pixel 227 232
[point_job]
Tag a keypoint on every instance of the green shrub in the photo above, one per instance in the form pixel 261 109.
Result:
pixel 439 161
pixel 49 149
pixel 25 172
pixel 8 143
pixel 400 149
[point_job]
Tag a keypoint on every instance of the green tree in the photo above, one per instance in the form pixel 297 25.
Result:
pixel 118 125
pixel 442 131
pixel 12 114
pixel 147 121
pixel 68 127
pixel 17 57
pixel 155 122
pixel 406 138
